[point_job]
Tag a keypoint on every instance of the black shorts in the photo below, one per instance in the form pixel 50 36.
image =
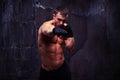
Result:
pixel 63 73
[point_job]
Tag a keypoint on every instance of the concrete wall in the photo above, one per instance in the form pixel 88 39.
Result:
pixel 95 24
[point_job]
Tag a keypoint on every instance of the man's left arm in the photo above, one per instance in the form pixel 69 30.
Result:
pixel 69 43
pixel 69 40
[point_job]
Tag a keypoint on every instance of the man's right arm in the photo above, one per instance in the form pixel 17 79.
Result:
pixel 47 30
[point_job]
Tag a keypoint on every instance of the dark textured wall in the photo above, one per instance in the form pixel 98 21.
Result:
pixel 95 24
pixel 19 58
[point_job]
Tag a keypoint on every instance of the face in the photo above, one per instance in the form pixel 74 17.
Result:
pixel 59 19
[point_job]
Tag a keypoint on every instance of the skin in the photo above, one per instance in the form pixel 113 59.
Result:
pixel 50 45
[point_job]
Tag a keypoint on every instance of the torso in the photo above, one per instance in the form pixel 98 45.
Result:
pixel 51 52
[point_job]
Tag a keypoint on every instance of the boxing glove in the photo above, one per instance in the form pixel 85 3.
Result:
pixel 59 31
pixel 69 31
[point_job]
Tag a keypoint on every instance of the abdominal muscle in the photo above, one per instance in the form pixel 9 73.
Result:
pixel 52 56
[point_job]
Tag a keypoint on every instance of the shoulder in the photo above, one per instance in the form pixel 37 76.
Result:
pixel 44 24
pixel 47 24
pixel 46 27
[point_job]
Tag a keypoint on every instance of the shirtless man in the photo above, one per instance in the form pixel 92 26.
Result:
pixel 52 35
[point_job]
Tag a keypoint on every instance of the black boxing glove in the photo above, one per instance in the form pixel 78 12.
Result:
pixel 59 31
pixel 69 31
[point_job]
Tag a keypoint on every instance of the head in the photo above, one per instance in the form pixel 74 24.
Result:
pixel 60 15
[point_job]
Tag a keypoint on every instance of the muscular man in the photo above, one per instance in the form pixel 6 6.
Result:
pixel 52 35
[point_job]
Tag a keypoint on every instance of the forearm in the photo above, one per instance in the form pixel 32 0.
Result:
pixel 69 43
